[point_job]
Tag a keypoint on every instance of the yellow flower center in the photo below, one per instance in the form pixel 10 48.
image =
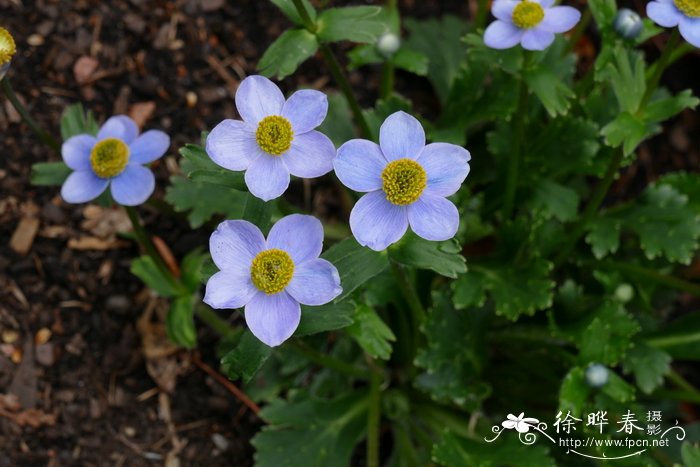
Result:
pixel 7 46
pixel 109 157
pixel 403 181
pixel 690 8
pixel 271 271
pixel 274 135
pixel 527 14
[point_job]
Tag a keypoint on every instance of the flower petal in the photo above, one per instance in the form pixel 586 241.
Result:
pixel 315 282
pixel 377 223
pixel 120 127
pixel 267 177
pixel 299 235
pixel 537 39
pixel 234 244
pixel 503 9
pixel 433 218
pixel 359 165
pixel 502 35
pixel 664 14
pixel 305 109
pixel 148 147
pixel 559 19
pixel 133 186
pixel 231 145
pixel 447 165
pixel 690 30
pixel 310 156
pixel 257 97
pixel 227 289
pixel 401 136
pixel 272 318
pixel 545 3
pixel 83 186
pixel 76 151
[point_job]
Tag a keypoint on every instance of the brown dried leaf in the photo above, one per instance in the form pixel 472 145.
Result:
pixel 84 68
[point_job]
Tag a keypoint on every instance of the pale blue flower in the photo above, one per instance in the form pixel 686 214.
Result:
pixel 270 278
pixel 407 183
pixel 531 23
pixel 275 138
pixel 628 23
pixel 682 13
pixel 115 157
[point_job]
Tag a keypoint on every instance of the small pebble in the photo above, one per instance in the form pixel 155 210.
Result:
pixel 220 441
pixel 35 40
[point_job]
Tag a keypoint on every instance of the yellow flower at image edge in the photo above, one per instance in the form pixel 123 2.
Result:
pixel 7 46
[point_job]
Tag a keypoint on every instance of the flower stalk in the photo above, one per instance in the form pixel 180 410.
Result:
pixel 517 147
pixel 24 113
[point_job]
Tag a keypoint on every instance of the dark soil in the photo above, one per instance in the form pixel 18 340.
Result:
pixel 71 347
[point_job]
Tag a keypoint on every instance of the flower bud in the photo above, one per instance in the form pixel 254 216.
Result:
pixel 624 293
pixel 597 375
pixel 7 50
pixel 628 24
pixel 388 44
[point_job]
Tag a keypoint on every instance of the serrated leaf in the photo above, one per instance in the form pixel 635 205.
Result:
pixel 445 258
pixel 362 24
pixel 663 109
pixel 291 12
pixel 618 389
pixel 145 269
pixel 202 201
pixel 371 333
pixel 179 322
pixel 452 451
pixel 564 146
pixel 191 269
pixel 627 75
pixel 311 433
pixel 244 360
pixel 468 291
pixel 324 318
pixel 75 121
pixel 453 357
pixel 603 12
pixel 49 173
pixel 356 264
pixel 603 236
pixel 608 335
pixel 515 290
pixel 690 453
pixel 549 89
pixel 411 61
pixel 687 184
pixel 574 392
pixel 555 200
pixel 628 131
pixel 649 366
pixel 289 51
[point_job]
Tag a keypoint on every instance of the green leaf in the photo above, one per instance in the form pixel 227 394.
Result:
pixel 440 41
pixel 411 61
pixel 468 291
pixel 690 453
pixel 688 184
pixel 516 290
pixel 680 338
pixel 191 268
pixel 663 109
pixel 555 200
pixel 311 433
pixel 549 89
pixel 291 12
pixel 628 131
pixel 289 51
pixel 383 108
pixel 202 201
pixel 49 173
pixel 75 121
pixel 244 360
pixel 452 451
pixel 371 333
pixel 649 366
pixel 324 318
pixel 179 322
pixel 445 258
pixel 618 389
pixel 223 177
pixel 454 356
pixel 362 24
pixel 603 236
pixel 338 124
pixel 145 269
pixel 603 12
pixel 257 211
pixel 574 392
pixel 356 264
pixel 608 336
pixel 627 75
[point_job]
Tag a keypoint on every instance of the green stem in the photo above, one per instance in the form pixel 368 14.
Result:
pixel 220 326
pixel 660 66
pixel 580 29
pixel 664 342
pixel 342 81
pixel 409 293
pixel 592 207
pixel 12 97
pixel 305 18
pixel 677 395
pixel 374 417
pixel 482 9
pixel 516 149
pixel 150 249
pixel 387 80
pixel 683 384
pixel 327 361
pixel 651 275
